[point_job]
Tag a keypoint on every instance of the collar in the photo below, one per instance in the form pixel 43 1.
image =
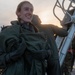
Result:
pixel 15 22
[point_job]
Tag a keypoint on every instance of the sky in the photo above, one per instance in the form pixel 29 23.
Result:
pixel 42 8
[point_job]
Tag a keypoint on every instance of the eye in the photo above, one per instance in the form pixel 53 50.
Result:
pixel 26 8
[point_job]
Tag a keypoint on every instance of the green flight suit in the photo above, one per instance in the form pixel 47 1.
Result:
pixel 23 52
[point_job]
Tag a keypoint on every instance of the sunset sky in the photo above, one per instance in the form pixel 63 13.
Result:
pixel 42 8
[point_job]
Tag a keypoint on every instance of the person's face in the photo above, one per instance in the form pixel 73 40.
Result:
pixel 26 12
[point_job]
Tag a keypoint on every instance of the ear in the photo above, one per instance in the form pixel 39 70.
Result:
pixel 18 13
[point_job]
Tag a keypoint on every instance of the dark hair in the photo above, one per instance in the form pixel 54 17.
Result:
pixel 21 4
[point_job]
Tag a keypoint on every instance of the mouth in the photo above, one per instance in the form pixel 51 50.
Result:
pixel 28 16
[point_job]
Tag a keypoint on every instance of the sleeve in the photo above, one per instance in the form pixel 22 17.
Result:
pixel 59 31
pixel 15 51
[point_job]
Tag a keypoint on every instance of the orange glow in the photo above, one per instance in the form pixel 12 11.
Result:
pixel 45 17
pixel 48 18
